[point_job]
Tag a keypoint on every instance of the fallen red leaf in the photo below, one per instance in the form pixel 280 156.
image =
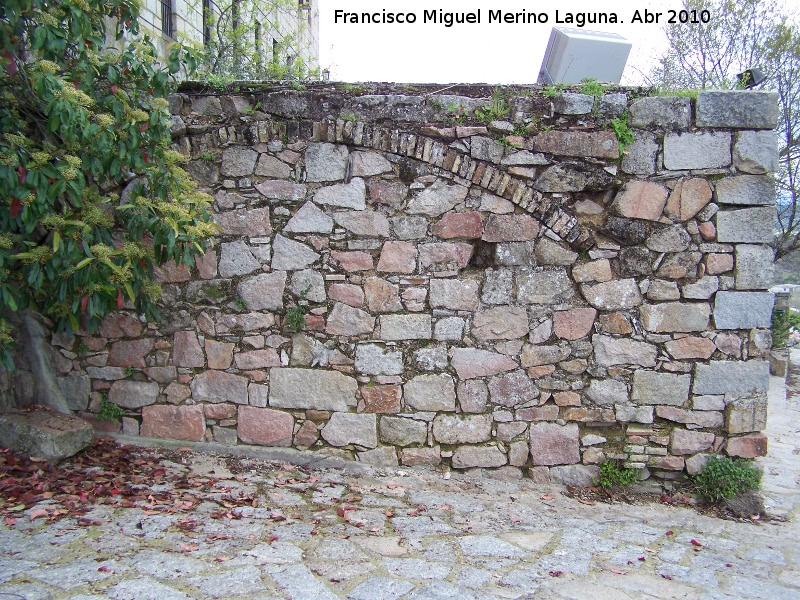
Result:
pixel 665 576
pixel 189 547
pixel 695 543
pixel 618 572
pixel 10 521
pixel 556 573
pixel 670 532
pixel 39 512
pixel 547 497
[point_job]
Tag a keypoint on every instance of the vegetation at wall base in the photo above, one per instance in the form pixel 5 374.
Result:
pixel 92 198
pixel 110 411
pixel 614 474
pixel 724 477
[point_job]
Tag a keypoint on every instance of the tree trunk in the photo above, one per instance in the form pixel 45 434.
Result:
pixel 36 346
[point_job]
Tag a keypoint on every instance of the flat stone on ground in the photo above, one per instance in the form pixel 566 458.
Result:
pixel 44 434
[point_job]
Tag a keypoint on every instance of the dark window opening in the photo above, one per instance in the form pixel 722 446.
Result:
pixel 167 12
pixel 207 20
pixel 259 49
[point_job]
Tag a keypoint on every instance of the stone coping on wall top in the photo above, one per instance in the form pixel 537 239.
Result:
pixel 473 90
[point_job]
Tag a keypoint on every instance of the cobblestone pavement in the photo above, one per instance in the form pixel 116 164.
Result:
pixel 321 534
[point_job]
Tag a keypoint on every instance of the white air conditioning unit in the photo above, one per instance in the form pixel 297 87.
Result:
pixel 574 54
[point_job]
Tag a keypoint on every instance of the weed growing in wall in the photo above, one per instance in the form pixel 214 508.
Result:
pixel 110 411
pixel 551 91
pixel 296 315
pixel 496 110
pixel 623 132
pixel 591 87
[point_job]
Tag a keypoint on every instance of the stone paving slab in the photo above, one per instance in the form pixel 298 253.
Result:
pixel 372 534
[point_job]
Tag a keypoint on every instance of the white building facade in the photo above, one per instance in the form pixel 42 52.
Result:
pixel 280 32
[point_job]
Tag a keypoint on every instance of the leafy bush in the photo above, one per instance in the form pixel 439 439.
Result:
pixel 724 477
pixel 91 196
pixel 614 474
pixel 783 322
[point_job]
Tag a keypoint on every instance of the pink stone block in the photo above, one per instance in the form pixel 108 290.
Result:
pixel 173 422
pixel 265 427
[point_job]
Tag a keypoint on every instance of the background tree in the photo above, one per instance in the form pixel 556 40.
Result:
pixel 743 34
pixel 256 40
pixel 91 196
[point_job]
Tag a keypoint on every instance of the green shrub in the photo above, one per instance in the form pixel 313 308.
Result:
pixel 783 322
pixel 614 474
pixel 724 477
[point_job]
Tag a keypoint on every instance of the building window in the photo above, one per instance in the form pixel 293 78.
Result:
pixel 167 12
pixel 208 17
pixel 305 5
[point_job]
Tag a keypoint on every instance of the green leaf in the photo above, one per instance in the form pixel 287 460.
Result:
pixel 56 241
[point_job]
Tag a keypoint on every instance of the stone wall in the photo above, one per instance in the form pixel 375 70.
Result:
pixel 505 295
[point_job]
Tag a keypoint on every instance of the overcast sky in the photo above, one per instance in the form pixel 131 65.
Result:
pixel 472 53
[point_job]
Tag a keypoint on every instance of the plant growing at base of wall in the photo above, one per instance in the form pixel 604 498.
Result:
pixel 110 411
pixel 724 477
pixel 614 474
pixel 91 196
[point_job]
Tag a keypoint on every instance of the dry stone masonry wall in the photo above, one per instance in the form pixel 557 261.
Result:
pixel 509 295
